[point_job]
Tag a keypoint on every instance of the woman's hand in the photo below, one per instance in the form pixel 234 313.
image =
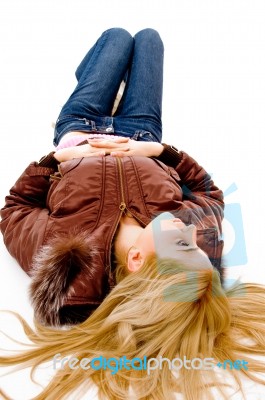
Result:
pixel 88 150
pixel 119 147
pixel 130 148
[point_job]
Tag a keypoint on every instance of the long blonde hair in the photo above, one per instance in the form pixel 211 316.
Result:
pixel 162 310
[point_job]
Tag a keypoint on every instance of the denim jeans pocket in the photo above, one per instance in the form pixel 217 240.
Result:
pixel 70 119
pixel 69 123
pixel 144 136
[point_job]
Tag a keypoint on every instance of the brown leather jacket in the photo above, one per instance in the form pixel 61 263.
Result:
pixel 59 226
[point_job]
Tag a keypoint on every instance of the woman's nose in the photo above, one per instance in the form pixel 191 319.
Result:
pixel 191 233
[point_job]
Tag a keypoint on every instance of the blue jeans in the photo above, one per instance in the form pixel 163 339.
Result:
pixel 116 56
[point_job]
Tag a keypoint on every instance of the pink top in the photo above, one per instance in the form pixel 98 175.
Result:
pixel 75 140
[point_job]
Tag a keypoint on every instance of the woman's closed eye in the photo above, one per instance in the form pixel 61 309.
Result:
pixel 182 243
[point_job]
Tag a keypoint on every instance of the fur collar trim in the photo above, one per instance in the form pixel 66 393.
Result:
pixel 55 268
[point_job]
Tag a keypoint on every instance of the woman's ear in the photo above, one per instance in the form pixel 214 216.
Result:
pixel 134 259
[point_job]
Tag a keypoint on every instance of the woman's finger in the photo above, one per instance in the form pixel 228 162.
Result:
pixel 102 143
pixel 110 147
pixel 101 153
pixel 116 140
pixel 107 144
pixel 121 140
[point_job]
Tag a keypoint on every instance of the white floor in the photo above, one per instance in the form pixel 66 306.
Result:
pixel 214 103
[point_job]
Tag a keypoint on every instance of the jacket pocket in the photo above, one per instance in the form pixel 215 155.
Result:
pixel 169 170
pixel 66 166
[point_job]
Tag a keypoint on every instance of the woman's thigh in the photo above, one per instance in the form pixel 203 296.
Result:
pixel 99 76
pixel 142 99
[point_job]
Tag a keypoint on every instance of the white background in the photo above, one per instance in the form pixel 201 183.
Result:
pixel 213 107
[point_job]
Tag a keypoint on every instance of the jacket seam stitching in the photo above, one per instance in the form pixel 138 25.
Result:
pixel 47 234
pixel 103 168
pixel 140 187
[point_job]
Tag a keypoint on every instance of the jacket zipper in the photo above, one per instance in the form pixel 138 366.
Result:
pixel 123 205
pixel 122 208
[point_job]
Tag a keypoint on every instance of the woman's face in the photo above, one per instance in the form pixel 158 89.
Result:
pixel 169 237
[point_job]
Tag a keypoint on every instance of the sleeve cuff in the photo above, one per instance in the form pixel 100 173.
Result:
pixel 170 156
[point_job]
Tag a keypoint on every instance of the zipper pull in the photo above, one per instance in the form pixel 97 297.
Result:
pixel 122 206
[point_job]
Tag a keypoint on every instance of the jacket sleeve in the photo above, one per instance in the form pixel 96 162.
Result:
pixel 24 216
pixel 202 199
